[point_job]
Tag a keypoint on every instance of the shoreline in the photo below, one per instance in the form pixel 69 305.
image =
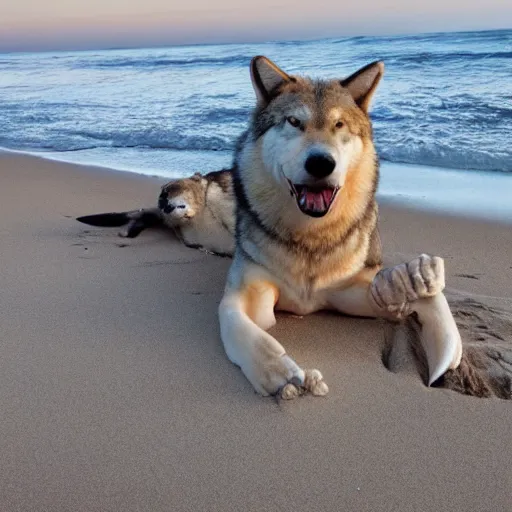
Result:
pixel 474 194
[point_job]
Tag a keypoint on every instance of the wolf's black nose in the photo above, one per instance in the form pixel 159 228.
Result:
pixel 320 165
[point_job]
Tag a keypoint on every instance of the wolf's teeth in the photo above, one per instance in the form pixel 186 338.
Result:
pixel 302 200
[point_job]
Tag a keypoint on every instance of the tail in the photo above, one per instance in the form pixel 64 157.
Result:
pixel 106 220
pixel 136 220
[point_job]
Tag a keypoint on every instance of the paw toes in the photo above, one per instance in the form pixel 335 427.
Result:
pixel 421 276
pixel 320 389
pixel 290 391
pixel 431 270
pixel 314 383
pixel 314 374
pixel 438 270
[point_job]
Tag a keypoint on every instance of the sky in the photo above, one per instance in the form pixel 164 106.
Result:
pixel 41 25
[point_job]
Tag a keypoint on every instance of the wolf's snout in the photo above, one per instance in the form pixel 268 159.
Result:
pixel 320 165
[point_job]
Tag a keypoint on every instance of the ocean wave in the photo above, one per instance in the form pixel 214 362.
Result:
pixel 145 139
pixel 448 57
pixel 223 116
pixel 483 36
pixel 437 154
pixel 464 133
pixel 154 62
pixel 465 106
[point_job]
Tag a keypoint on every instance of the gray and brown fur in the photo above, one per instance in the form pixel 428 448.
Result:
pixel 305 178
pixel 353 223
pixel 199 209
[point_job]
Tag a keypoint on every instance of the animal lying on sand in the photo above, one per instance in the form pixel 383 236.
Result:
pixel 298 213
pixel 200 209
pixel 305 177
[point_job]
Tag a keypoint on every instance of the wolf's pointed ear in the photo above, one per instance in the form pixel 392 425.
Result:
pixel 362 83
pixel 266 76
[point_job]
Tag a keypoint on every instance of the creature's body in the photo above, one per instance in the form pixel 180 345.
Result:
pixel 200 210
pixel 305 177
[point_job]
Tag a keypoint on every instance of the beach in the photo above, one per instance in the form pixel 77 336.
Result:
pixel 116 393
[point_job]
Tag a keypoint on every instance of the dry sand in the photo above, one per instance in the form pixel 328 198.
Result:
pixel 116 395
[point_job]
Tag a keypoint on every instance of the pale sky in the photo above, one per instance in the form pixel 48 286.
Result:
pixel 27 25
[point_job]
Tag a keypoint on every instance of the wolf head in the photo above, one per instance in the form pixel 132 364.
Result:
pixel 308 136
pixel 181 199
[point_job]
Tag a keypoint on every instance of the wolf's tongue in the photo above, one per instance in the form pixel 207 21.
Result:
pixel 315 200
pixel 327 195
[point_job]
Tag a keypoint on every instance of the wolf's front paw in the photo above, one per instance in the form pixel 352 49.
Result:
pixel 313 383
pixel 394 289
pixel 279 374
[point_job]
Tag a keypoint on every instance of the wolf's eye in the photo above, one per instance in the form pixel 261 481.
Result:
pixel 340 124
pixel 293 121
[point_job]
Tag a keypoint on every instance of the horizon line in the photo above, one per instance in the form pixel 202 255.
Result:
pixel 270 41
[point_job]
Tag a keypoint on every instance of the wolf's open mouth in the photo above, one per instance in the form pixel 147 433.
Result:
pixel 313 201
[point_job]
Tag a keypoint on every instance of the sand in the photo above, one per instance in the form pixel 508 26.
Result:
pixel 116 395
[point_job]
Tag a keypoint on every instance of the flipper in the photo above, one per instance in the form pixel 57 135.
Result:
pixel 136 220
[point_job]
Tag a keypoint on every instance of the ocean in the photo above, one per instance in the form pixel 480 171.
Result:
pixel 445 101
